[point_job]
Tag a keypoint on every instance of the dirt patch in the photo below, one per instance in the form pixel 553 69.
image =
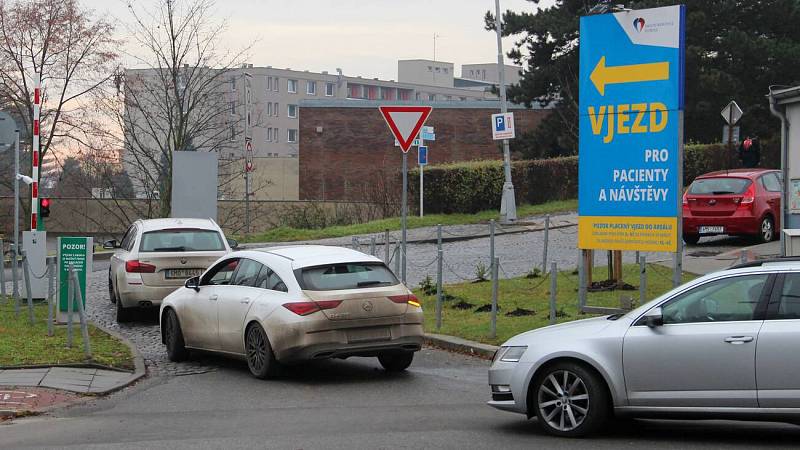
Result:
pixel 463 305
pixel 486 308
pixel 521 312
pixel 610 285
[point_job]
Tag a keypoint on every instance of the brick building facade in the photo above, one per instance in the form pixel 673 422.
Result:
pixel 348 153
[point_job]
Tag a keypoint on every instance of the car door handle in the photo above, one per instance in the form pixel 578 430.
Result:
pixel 245 300
pixel 213 298
pixel 738 339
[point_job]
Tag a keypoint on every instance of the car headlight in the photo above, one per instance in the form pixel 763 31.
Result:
pixel 510 353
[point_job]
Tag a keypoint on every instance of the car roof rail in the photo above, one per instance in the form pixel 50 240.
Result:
pixel 761 262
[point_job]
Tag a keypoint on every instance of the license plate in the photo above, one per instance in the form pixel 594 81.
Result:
pixel 369 334
pixel 181 273
pixel 710 230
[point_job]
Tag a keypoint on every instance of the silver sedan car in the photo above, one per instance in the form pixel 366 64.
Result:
pixel 156 256
pixel 726 345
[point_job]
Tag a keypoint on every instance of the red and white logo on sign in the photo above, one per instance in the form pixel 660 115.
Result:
pixel 405 122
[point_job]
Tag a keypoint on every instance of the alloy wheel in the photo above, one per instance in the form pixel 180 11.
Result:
pixel 256 349
pixel 766 229
pixel 563 400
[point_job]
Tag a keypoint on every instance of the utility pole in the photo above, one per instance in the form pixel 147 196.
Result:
pixel 508 206
pixel 248 151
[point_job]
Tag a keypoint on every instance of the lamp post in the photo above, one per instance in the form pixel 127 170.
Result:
pixel 508 206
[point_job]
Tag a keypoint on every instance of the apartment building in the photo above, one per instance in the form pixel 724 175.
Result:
pixel 269 117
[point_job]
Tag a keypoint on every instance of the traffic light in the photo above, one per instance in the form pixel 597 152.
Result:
pixel 44 207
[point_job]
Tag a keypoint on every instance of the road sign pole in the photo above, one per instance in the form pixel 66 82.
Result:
pixel 404 213
pixel 508 206
pixel 15 253
pixel 421 174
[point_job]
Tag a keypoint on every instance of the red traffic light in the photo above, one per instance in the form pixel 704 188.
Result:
pixel 44 207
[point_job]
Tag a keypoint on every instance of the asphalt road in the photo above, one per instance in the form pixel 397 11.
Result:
pixel 438 403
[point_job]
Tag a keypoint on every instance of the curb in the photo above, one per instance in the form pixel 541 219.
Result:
pixel 445 239
pixel 140 370
pixel 456 344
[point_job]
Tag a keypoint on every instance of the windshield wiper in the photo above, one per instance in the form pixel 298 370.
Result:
pixel 370 283
pixel 614 316
pixel 170 249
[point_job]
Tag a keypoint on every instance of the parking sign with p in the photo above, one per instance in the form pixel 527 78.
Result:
pixel 503 126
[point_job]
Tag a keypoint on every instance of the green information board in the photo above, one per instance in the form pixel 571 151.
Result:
pixel 76 251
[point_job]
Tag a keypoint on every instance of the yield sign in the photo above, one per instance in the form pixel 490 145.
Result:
pixel 405 122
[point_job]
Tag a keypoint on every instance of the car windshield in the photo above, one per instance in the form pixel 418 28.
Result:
pixel 719 186
pixel 331 277
pixel 181 240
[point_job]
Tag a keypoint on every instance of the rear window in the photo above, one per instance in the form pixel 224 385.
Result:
pixel 181 240
pixel 719 186
pixel 332 277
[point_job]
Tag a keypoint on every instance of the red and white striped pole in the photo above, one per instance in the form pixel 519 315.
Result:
pixel 37 102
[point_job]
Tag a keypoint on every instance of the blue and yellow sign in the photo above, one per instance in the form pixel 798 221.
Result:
pixel 631 102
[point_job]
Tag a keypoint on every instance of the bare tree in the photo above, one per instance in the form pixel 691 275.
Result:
pixel 73 52
pixel 178 100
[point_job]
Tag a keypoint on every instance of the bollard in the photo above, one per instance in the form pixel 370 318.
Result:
pixel 70 296
pixel 642 280
pixel 495 282
pixel 439 263
pixel 87 347
pixel 386 248
pixel 2 271
pixel 26 274
pixel 372 245
pixel 15 281
pixel 743 257
pixel 51 275
pixel 581 281
pixel 396 257
pixel 355 244
pixel 553 287
pixel 546 239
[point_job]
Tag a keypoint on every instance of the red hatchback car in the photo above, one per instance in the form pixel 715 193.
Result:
pixel 745 202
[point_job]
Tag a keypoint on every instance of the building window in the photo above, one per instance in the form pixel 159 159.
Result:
pixel 418 96
pixel 233 133
pixel 269 108
pixel 269 83
pixel 430 68
pixel 275 109
pixel 463 99
pixel 233 108
pixel 275 84
pixel 275 134
pixel 446 70
pixel 291 111
pixel 233 84
pixel 291 135
pixel 269 134
pixel 449 98
pixel 291 86
pixel 329 89
pixel 431 97
pixel 311 87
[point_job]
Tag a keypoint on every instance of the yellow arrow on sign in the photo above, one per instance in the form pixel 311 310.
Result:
pixel 634 73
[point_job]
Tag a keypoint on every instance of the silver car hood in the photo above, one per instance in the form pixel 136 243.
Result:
pixel 575 329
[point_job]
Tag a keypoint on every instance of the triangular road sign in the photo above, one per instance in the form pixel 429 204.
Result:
pixel 405 122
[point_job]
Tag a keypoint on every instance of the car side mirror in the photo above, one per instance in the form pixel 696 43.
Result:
pixel 654 318
pixel 193 283
pixel 110 244
pixel 233 243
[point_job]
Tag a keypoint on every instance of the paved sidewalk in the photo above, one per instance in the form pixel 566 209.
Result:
pixel 73 379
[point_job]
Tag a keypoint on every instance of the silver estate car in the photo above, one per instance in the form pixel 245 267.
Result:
pixel 726 345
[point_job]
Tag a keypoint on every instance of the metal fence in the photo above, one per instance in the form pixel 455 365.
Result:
pixel 572 277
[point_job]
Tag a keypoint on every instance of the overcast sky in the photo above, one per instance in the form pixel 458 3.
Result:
pixel 363 37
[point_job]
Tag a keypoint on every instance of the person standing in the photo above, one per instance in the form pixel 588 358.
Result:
pixel 750 152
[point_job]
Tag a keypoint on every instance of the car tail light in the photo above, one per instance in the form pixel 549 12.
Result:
pixel 685 200
pixel 306 308
pixel 410 299
pixel 748 198
pixel 139 267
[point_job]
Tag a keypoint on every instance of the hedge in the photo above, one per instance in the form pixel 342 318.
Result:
pixel 469 187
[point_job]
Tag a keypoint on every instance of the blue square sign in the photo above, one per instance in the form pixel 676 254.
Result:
pixel 503 126
pixel 422 155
